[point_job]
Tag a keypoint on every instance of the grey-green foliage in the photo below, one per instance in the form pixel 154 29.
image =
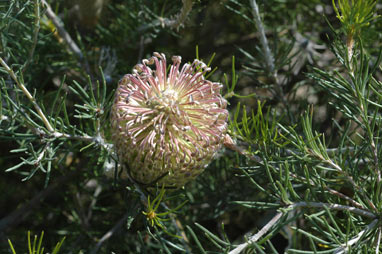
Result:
pixel 305 117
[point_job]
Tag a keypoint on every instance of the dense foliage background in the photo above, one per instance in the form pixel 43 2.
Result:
pixel 305 115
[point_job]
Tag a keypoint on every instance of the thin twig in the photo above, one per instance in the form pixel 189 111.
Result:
pixel 51 132
pixel 294 206
pixel 329 161
pixel 263 39
pixel 345 247
pixel 65 36
pixel 61 30
pixel 96 193
pixel 244 152
pixel 330 190
pixel 181 17
pixel 175 23
pixel 35 33
pixel 258 235
pixel 332 151
pixel 229 143
pixel 269 59
pixel 41 155
pixel 81 211
pixel 335 166
pixel 110 233
pixel 376 160
pixel 351 209
pixel 348 177
pixel 141 48
pixel 378 241
pixel 99 140
pixel 28 95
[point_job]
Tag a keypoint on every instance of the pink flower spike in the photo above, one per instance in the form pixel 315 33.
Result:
pixel 167 127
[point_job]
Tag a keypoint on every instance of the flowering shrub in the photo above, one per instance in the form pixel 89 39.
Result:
pixel 301 96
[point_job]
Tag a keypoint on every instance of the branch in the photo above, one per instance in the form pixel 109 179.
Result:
pixel 258 235
pixel 229 143
pixel 61 30
pixel 374 149
pixel 348 177
pixel 181 17
pixel 65 36
pixel 329 161
pixel 345 247
pixel 334 192
pixel 270 61
pixel 35 33
pixel 263 39
pixel 141 48
pixel 172 23
pixel 110 233
pixel 28 95
pixel 351 209
pixel 294 206
pixel 51 132
pixel 378 241
pixel 99 140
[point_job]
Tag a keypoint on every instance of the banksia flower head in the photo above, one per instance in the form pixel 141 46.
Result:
pixel 167 127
